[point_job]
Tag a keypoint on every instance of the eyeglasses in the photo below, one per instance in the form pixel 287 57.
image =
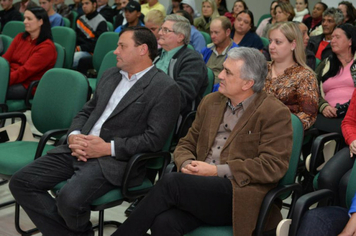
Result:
pixel 165 30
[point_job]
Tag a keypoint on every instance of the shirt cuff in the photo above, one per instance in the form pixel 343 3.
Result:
pixel 112 148
pixel 73 132
pixel 186 163
pixel 224 171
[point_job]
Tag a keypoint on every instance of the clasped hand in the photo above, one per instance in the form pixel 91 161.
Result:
pixel 200 168
pixel 88 146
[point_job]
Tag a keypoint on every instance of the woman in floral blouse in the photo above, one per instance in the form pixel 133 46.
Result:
pixel 289 78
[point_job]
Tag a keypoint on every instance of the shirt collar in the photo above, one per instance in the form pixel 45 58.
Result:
pixel 136 76
pixel 171 53
pixel 244 104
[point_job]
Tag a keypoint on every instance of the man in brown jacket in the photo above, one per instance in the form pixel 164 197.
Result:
pixel 237 149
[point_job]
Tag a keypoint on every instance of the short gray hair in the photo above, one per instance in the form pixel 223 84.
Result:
pixel 181 26
pixel 336 14
pixel 254 67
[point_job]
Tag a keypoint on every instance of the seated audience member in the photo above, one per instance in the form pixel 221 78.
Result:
pixel 317 14
pixel 63 9
pixel 289 79
pixel 284 12
pixel 266 24
pixel 301 10
pixel 336 78
pixel 196 38
pixel 320 44
pixel 243 32
pixel 120 16
pixel 31 53
pixel 54 18
pixel 116 7
pixel 173 7
pixel 153 21
pixel 133 110
pixel 221 6
pixel 22 5
pixel 239 6
pixel 215 53
pixel 8 13
pixel 105 10
pixel 89 27
pixel 224 175
pixel 349 11
pixel 132 15
pixel 77 6
pixel 152 4
pixel 329 221
pixel 209 13
pixel 189 6
pixel 182 64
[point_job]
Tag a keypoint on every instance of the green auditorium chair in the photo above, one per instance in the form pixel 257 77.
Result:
pixel 67 38
pixel 13 28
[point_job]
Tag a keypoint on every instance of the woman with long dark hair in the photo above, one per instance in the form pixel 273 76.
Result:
pixel 31 53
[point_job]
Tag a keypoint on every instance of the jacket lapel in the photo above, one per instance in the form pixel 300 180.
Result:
pixel 217 110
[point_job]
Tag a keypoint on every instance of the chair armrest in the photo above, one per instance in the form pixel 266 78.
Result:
pixel 318 146
pixel 4 108
pixel 302 205
pixel 45 137
pixel 270 198
pixel 20 115
pixel 29 93
pixel 135 163
pixel 171 168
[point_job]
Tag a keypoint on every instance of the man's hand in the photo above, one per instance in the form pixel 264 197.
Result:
pixel 200 168
pixel 77 144
pixel 350 228
pixel 329 112
pixel 352 148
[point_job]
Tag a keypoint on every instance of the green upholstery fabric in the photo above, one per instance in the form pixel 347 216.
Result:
pixel 106 42
pixel 110 26
pixel 16 105
pixel 15 155
pixel 74 22
pixel 265 42
pixel 4 79
pixel 60 56
pixel 13 28
pixel 108 62
pixel 206 37
pixel 289 178
pixel 66 22
pixel 315 181
pixel 58 99
pixel 6 41
pixel 67 38
pixel 211 79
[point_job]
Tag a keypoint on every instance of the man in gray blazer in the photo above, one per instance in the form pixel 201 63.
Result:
pixel 134 109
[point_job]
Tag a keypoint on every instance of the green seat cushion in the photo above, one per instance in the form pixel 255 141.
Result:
pixel 315 181
pixel 16 105
pixel 212 231
pixel 15 155
pixel 92 84
pixel 111 196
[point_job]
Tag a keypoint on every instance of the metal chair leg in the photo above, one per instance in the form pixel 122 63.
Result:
pixel 17 223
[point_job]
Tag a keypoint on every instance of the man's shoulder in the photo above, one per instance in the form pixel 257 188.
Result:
pixel 186 52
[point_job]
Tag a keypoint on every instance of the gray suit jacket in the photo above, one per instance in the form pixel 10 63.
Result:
pixel 141 122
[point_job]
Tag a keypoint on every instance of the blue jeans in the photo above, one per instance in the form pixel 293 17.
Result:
pixel 323 221
pixel 78 56
pixel 69 214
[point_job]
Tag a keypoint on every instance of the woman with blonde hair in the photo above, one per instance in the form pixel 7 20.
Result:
pixel 289 78
pixel 209 13
pixel 153 21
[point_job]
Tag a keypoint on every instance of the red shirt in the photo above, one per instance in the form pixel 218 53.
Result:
pixel 28 61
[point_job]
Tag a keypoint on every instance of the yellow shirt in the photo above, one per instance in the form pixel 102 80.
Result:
pixel 145 8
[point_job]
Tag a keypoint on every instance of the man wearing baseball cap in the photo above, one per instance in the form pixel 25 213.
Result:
pixel 132 15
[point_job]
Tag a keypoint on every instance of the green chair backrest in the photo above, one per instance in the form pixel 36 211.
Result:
pixel 66 22
pixel 351 187
pixel 13 28
pixel 262 18
pixel 74 21
pixel 317 62
pixel 265 42
pixel 190 46
pixel 6 41
pixel 67 38
pixel 108 62
pixel 110 26
pixel 60 95
pixel 298 133
pixel 4 79
pixel 60 56
pixel 106 42
pixel 211 78
pixel 206 37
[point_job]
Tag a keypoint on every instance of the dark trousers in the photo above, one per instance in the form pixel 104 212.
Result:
pixel 335 175
pixel 16 92
pixel 69 213
pixel 178 204
pixel 328 125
